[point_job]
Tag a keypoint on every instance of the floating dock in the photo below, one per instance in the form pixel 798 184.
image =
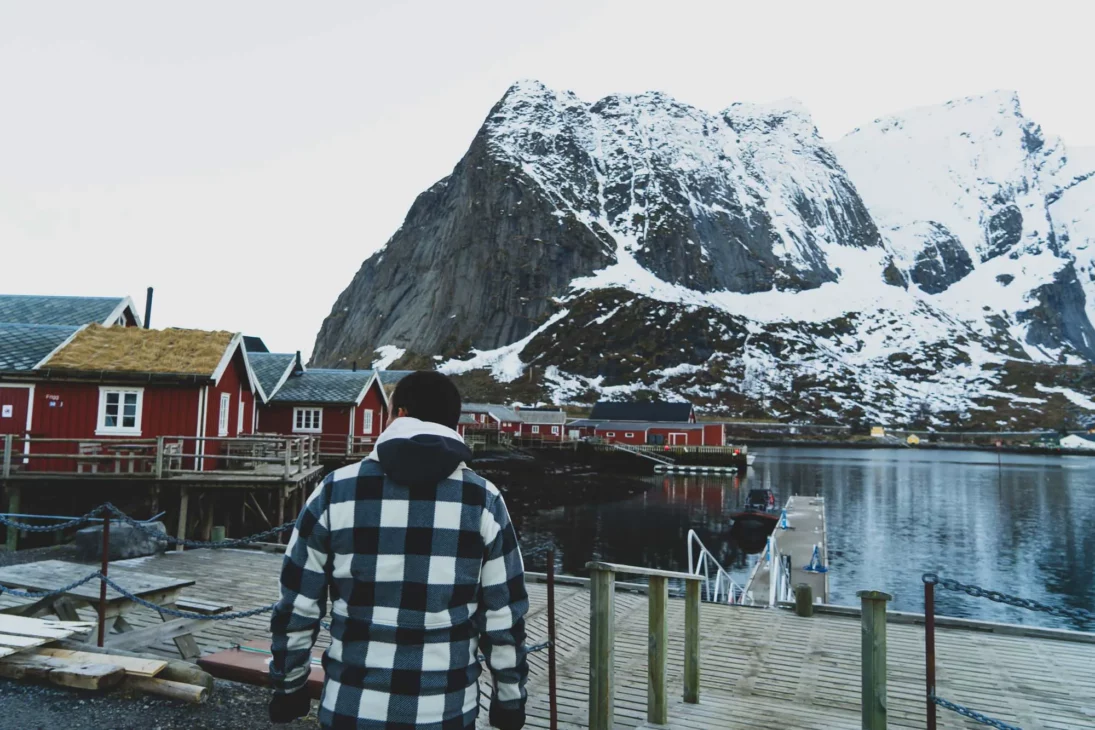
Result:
pixel 685 469
pixel 804 533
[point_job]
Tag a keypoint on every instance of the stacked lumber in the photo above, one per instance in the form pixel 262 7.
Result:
pixel 25 656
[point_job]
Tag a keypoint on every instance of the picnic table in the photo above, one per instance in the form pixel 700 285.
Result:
pixel 49 575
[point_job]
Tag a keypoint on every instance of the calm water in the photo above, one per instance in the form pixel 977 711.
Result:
pixel 1025 526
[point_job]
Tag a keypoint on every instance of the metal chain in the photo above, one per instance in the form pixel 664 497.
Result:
pixel 184 614
pixel 973 714
pixel 998 597
pixel 164 537
pixel 49 594
pixel 74 522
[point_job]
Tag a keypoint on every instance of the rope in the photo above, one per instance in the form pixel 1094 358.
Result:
pixel 996 596
pixel 973 714
pixel 185 614
pixel 74 522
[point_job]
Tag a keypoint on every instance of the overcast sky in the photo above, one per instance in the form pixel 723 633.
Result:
pixel 245 157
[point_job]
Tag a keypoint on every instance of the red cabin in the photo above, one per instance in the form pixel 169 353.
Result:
pixel 345 409
pixel 546 424
pixel 490 417
pixel 112 391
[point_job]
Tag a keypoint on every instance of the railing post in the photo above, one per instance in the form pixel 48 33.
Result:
pixel 159 457
pixel 692 641
pixel 553 712
pixel 657 707
pixel 288 455
pixel 929 650
pixel 873 653
pixel 601 648
pixel 6 473
pixel 12 534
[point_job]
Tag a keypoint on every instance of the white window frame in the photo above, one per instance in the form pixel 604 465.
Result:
pixel 536 429
pixel 366 421
pixel 101 429
pixel 610 434
pixel 554 430
pixel 316 418
pixel 239 418
pixel 629 435
pixel 223 414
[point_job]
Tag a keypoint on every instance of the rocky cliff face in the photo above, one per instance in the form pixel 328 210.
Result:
pixel 640 247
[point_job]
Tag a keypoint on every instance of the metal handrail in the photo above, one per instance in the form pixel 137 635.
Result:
pixel 724 589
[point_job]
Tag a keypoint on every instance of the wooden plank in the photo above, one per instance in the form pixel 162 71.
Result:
pixel 657 707
pixel 166 688
pixel 636 570
pixel 49 575
pixel 9 624
pixel 132 665
pixel 602 647
pixel 154 634
pixel 80 675
pixel 22 642
pixel 692 643
pixel 23 626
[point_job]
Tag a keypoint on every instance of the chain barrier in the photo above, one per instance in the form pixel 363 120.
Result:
pixel 973 714
pixel 164 537
pixel 999 597
pixel 185 614
pixel 74 522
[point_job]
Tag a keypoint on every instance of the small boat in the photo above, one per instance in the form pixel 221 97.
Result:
pixel 760 506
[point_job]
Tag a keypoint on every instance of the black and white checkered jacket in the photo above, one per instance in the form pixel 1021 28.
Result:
pixel 421 564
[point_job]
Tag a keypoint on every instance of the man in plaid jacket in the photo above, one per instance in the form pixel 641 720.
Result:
pixel 420 562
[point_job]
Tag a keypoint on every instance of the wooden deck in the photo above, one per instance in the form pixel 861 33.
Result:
pixel 761 668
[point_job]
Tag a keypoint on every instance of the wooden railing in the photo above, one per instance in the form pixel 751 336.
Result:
pixel 159 458
pixel 602 640
pixel 332 446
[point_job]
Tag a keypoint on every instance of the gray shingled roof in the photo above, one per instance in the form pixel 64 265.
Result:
pixel 269 367
pixel 63 311
pixel 502 413
pixel 552 418
pixel 467 419
pixel 323 386
pixel 387 377
pixel 22 346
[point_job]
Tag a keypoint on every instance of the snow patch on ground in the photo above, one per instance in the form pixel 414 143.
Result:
pixel 504 362
pixel 1075 398
pixel 388 354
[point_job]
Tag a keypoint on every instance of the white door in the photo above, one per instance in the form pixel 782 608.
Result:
pixel 678 439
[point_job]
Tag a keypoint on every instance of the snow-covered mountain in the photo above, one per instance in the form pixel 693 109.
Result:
pixel 936 263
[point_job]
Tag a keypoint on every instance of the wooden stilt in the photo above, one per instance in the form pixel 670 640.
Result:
pixel 184 502
pixel 12 541
pixel 281 511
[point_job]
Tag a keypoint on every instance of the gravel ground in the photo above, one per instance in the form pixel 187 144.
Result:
pixel 232 706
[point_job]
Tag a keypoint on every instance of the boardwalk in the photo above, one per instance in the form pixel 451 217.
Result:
pixel 761 668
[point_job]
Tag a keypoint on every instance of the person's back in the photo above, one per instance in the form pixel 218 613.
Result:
pixel 422 568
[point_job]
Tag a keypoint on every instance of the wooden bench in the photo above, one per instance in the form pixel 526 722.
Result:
pixel 205 608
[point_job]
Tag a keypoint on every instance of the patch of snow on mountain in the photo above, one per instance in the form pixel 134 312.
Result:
pixel 388 354
pixel 504 362
pixel 1075 398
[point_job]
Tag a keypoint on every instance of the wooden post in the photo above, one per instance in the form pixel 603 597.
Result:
pixel 159 458
pixel 873 651
pixel 553 710
pixel 804 600
pixel 184 502
pixel 288 456
pixel 657 706
pixel 5 470
pixel 107 514
pixel 601 648
pixel 281 512
pixel 692 641
pixel 12 536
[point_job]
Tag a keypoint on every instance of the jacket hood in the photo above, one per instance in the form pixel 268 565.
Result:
pixel 418 453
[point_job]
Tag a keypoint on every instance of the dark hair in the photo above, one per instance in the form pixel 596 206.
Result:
pixel 428 396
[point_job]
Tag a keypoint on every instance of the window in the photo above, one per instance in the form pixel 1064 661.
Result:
pixel 611 434
pixel 222 421
pixel 629 435
pixel 307 420
pixel 367 424
pixel 536 429
pixel 120 411
pixel 554 430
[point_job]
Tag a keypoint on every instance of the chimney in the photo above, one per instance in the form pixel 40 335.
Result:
pixel 148 309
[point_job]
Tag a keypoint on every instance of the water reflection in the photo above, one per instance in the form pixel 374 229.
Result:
pixel 1020 524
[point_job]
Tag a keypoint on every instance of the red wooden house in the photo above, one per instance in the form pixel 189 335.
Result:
pixel 121 388
pixel 345 409
pixel 546 424
pixel 655 423
pixel 491 417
